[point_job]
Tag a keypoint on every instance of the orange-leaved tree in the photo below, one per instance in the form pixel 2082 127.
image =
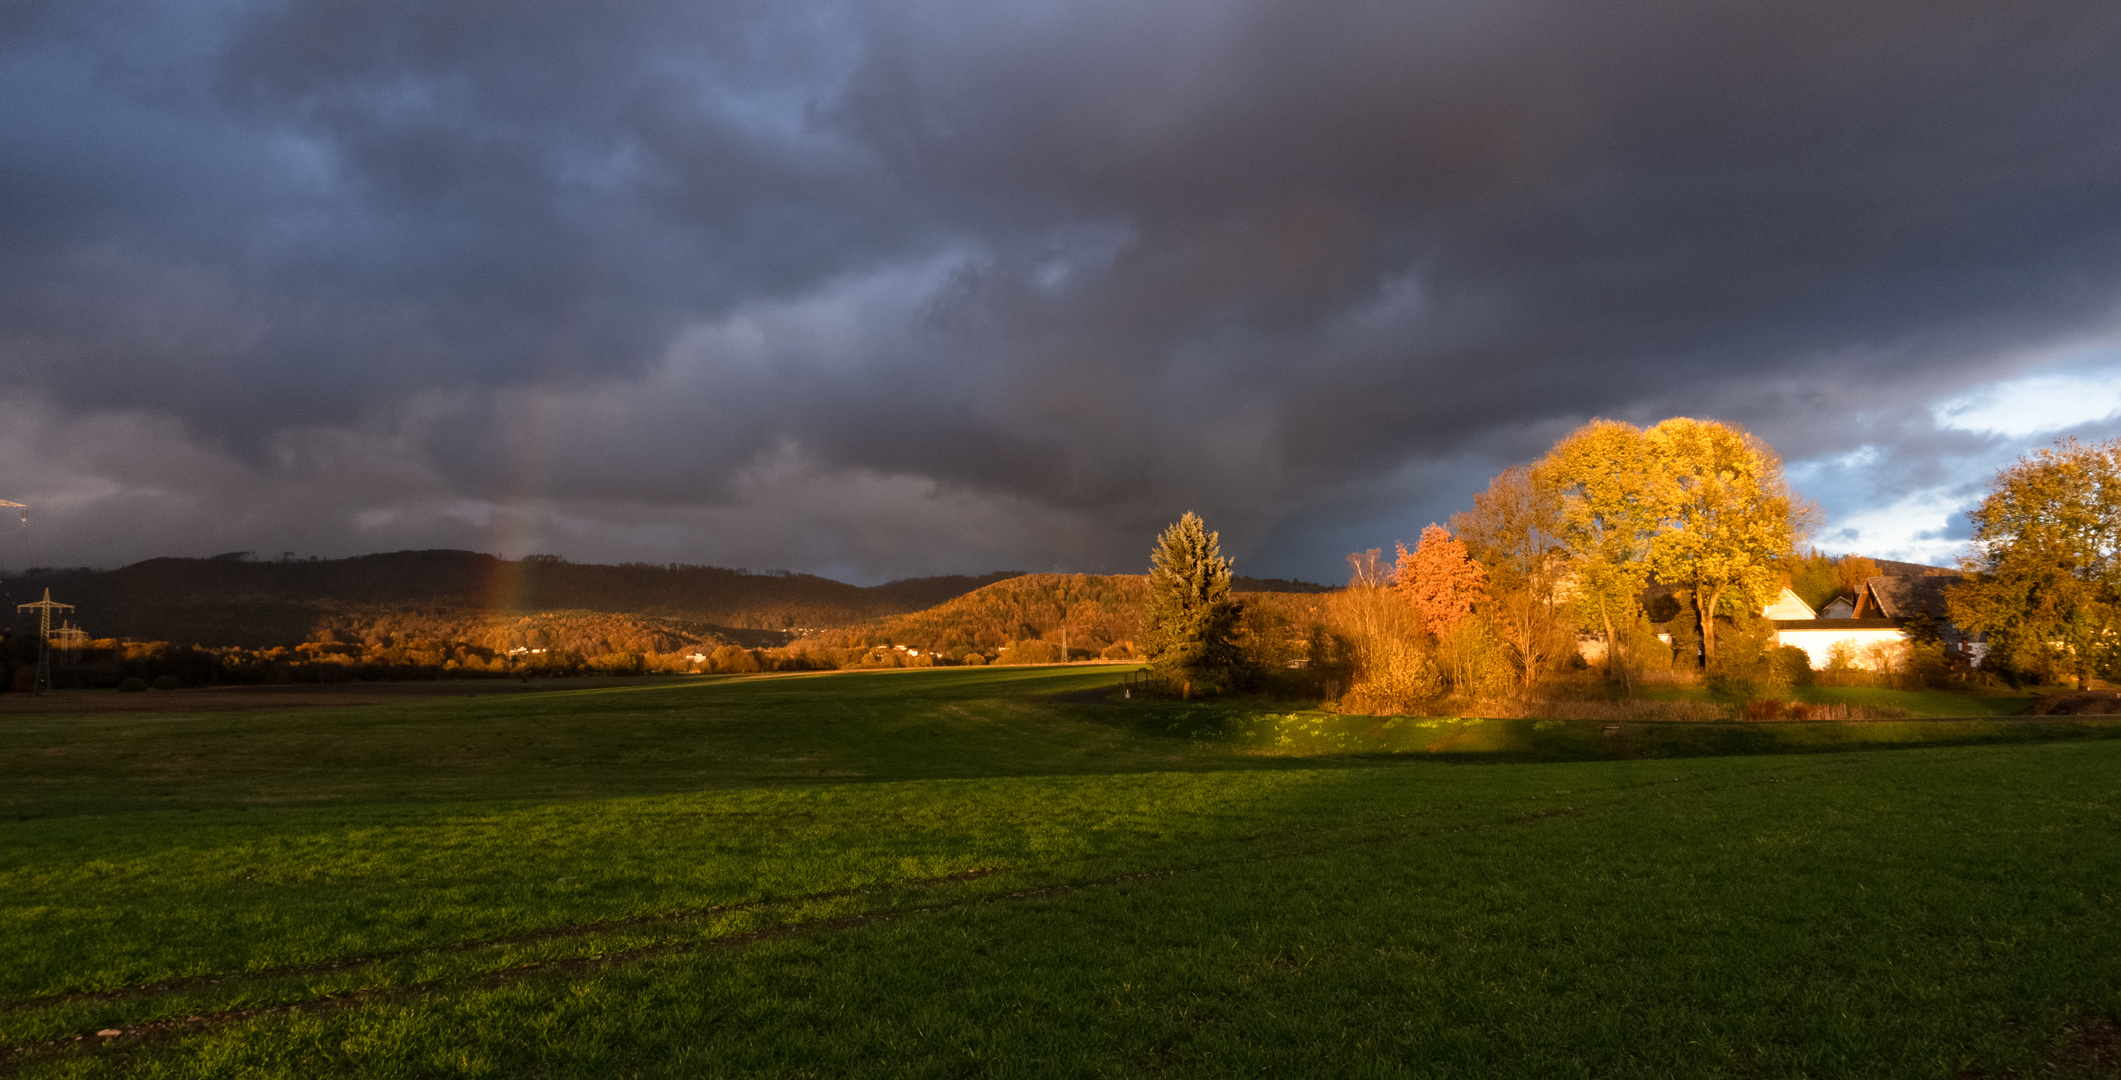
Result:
pixel 1851 572
pixel 1441 580
pixel 1443 584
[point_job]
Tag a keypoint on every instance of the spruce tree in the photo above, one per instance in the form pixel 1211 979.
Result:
pixel 1192 619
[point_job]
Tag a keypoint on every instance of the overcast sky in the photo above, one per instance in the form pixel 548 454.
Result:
pixel 924 286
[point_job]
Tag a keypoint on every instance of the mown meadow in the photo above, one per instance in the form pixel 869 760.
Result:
pixel 1017 872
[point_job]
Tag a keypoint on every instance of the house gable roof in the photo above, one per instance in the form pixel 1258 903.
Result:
pixel 1789 606
pixel 1898 597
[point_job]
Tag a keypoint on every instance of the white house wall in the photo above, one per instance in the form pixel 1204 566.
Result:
pixel 1815 643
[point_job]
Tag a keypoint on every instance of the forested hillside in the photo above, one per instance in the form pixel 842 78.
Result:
pixel 452 614
pixel 1037 616
pixel 234 600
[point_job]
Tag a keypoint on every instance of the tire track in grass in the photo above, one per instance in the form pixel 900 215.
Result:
pixel 156 1031
pixel 172 986
pixel 554 933
pixel 746 937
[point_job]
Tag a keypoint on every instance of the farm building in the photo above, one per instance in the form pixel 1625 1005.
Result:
pixel 1868 629
pixel 1876 619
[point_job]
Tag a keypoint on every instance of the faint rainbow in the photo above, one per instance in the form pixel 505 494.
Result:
pixel 529 426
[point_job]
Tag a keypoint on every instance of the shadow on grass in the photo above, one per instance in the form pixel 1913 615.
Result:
pixel 1250 731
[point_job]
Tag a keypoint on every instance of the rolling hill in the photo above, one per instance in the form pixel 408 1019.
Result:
pixel 1084 613
pixel 234 600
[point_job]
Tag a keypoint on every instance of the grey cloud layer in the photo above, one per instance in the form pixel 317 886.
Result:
pixel 888 288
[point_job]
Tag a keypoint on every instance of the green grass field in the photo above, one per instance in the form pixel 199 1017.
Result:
pixel 1008 872
pixel 1916 703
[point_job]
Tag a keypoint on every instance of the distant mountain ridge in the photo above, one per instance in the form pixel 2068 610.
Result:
pixel 234 600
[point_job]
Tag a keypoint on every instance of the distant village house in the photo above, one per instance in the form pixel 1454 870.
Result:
pixel 1878 616
pixel 1862 631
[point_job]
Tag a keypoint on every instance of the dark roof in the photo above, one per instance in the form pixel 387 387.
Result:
pixel 1896 568
pixel 1901 597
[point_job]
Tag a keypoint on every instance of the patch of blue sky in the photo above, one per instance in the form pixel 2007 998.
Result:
pixel 2079 387
pixel 1925 526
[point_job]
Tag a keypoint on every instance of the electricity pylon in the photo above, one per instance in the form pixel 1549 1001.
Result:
pixel 44 609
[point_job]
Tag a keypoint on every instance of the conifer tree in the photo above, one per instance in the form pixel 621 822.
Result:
pixel 1192 619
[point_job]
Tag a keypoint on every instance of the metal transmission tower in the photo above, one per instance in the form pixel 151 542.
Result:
pixel 44 609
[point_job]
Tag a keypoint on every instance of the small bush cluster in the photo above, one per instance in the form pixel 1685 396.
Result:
pixel 1798 710
pixel 1625 710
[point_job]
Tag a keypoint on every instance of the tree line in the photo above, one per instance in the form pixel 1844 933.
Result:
pixel 2044 574
pixel 1492 605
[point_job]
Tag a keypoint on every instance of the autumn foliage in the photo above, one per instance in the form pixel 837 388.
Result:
pixel 1573 541
pixel 1441 580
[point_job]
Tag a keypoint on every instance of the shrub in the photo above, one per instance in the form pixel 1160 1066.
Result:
pixel 1747 666
pixel 167 682
pixel 1841 657
pixel 133 685
pixel 732 660
pixel 1887 658
pixel 1268 639
pixel 1394 676
pixel 1929 663
pixel 1641 649
pixel 1798 710
pixel 1032 652
pixel 1376 640
pixel 1474 660
pixel 619 663
pixel 1624 710
pixel 1793 666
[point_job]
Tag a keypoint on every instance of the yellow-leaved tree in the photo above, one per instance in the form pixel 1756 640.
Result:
pixel 1609 511
pixel 1726 520
pixel 1514 530
pixel 2044 579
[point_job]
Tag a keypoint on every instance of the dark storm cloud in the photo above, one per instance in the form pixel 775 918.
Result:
pixel 921 287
